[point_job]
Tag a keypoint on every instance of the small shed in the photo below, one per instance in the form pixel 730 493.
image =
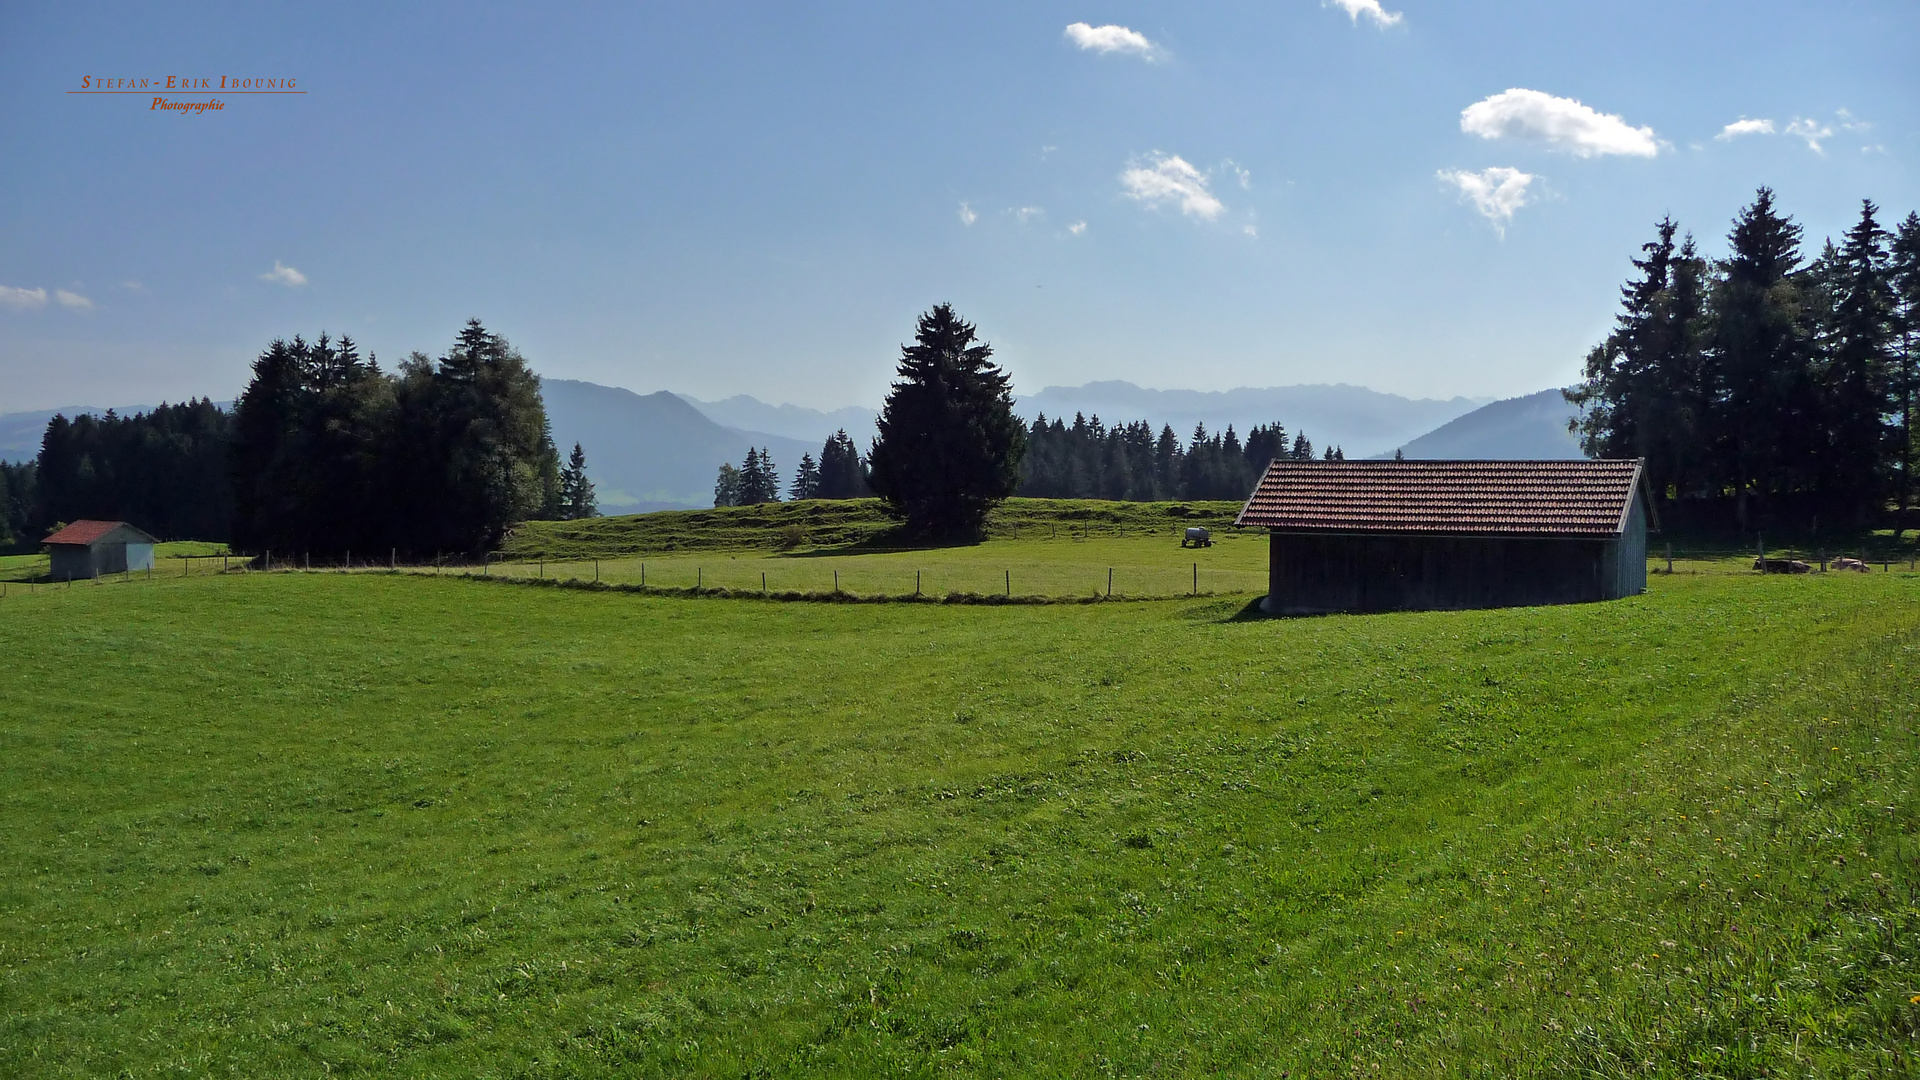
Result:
pixel 88 549
pixel 1362 536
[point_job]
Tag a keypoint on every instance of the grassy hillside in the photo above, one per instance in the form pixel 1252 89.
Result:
pixel 828 523
pixel 412 826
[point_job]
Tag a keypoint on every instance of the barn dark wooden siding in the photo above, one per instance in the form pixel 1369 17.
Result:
pixel 1394 536
pixel 1320 573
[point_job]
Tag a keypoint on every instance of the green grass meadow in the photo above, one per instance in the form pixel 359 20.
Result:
pixel 414 825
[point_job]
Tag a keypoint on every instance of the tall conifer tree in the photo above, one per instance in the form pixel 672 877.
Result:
pixel 949 446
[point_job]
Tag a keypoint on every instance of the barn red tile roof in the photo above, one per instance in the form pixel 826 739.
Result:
pixel 85 531
pixel 1527 498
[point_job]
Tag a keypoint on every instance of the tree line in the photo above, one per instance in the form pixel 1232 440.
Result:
pixel 331 454
pixel 1766 388
pixel 840 473
pixel 165 469
pixel 1129 463
pixel 323 453
pixel 1082 460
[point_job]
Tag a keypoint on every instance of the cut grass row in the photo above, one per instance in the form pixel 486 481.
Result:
pixel 1131 566
pixel 315 824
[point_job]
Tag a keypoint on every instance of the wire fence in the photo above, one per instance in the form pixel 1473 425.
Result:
pixel 1790 559
pixel 881 577
pixel 899 574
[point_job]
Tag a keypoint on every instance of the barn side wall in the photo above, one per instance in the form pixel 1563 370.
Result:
pixel 1629 554
pixel 1317 573
pixel 70 562
pixel 109 558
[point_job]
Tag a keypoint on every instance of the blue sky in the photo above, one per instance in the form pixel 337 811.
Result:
pixel 731 198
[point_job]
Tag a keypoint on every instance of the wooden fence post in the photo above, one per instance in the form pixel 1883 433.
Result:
pixel 1009 583
pixel 1109 582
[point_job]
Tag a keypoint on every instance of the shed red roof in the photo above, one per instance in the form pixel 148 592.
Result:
pixel 1529 498
pixel 88 532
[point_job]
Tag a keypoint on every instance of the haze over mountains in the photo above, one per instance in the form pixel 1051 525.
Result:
pixel 1531 427
pixel 661 450
pixel 1359 420
pixel 653 451
pixel 791 421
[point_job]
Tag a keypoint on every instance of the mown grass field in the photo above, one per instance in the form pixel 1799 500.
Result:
pixel 1062 566
pixel 401 825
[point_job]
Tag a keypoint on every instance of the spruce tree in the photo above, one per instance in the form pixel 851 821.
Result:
pixel 1904 270
pixel 949 446
pixel 1853 381
pixel 576 490
pixel 759 482
pixel 1759 360
pixel 806 479
pixel 1644 395
pixel 841 475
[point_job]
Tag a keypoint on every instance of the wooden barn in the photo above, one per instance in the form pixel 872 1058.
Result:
pixel 1444 535
pixel 88 549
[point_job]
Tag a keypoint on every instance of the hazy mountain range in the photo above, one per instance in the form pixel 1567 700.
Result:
pixel 654 451
pixel 1530 427
pixel 791 421
pixel 1359 420
pixel 661 450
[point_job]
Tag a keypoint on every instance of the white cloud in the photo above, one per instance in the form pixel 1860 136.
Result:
pixel 1813 131
pixel 1250 230
pixel 1168 178
pixel 1112 39
pixel 284 275
pixel 967 216
pixel 22 298
pixel 73 300
pixel 1744 126
pixel 1077 228
pixel 1495 192
pixel 1561 123
pixel 134 286
pixel 1370 8
pixel 1028 213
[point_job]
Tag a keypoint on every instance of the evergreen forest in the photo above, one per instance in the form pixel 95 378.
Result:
pixel 1766 389
pixel 1082 460
pixel 324 454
